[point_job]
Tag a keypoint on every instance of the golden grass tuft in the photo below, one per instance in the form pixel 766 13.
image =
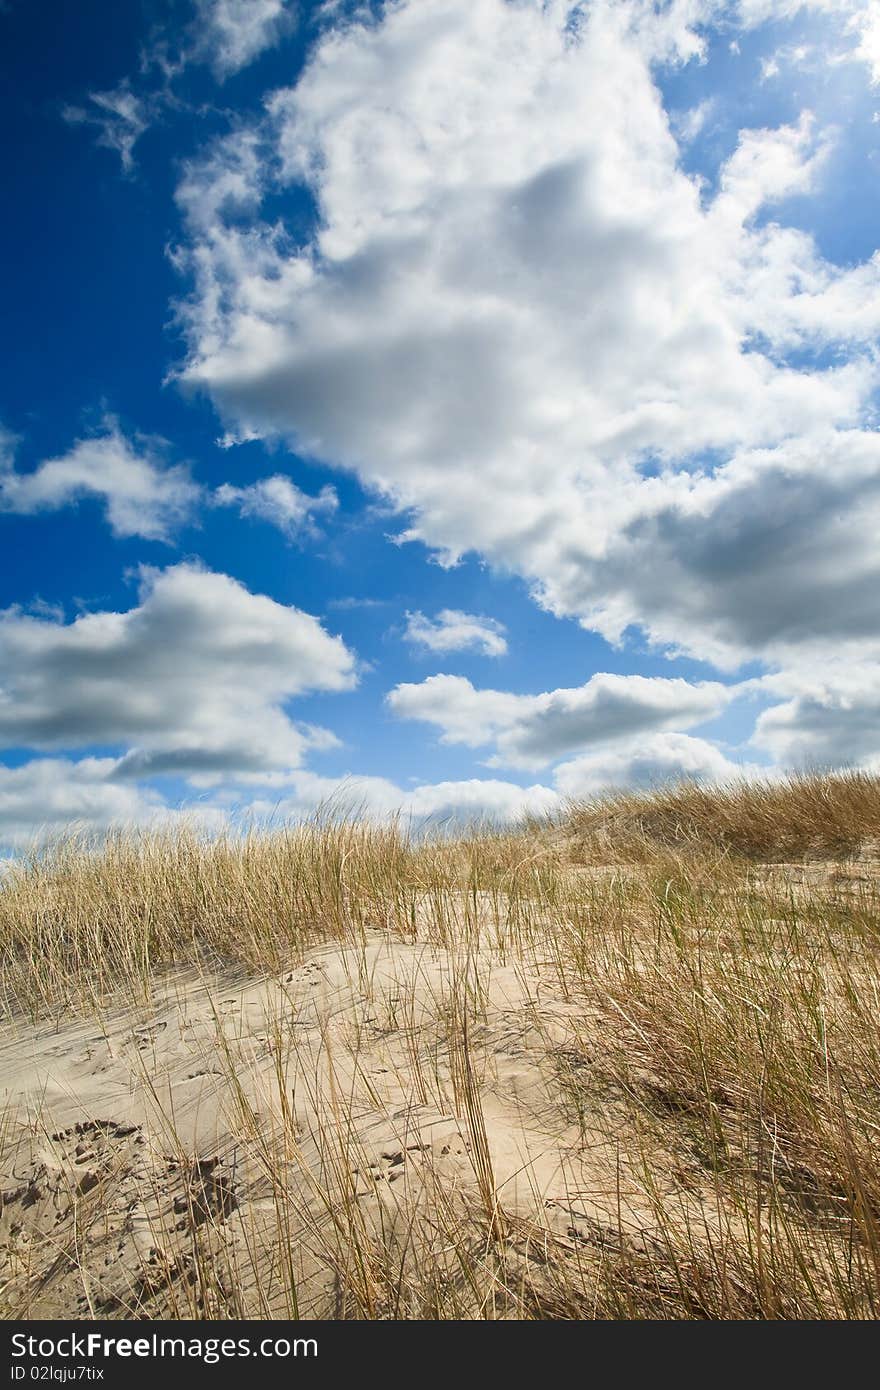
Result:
pixel 811 816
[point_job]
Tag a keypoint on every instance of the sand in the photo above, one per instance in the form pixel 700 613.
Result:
pixel 240 1137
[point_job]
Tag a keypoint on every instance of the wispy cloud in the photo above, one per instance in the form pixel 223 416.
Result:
pixel 230 34
pixel 354 601
pixel 120 116
pixel 226 35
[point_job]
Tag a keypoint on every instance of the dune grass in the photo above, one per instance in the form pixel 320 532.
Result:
pixel 812 816
pixel 714 957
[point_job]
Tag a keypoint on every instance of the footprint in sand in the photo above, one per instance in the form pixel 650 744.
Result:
pixel 209 1194
pixel 64 1168
pixel 145 1038
pixel 439 1149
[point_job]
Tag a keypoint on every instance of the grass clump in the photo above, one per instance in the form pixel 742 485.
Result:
pixel 807 817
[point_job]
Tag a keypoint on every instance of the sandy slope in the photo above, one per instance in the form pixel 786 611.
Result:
pixel 238 1124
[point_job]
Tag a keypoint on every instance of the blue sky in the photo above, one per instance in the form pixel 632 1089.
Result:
pixel 447 406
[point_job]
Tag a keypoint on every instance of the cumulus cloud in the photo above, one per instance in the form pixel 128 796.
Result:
pixel 192 681
pixel 142 496
pixel 831 717
pixel 772 554
pixel 767 166
pixel 51 797
pixel 648 762
pixel 534 730
pixel 280 502
pixel 54 795
pixel 866 25
pixel 523 322
pixel 455 631
pixel 377 798
pixel 47 797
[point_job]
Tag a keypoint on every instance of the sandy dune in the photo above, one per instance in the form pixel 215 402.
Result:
pixel 131 1148
pixel 533 1088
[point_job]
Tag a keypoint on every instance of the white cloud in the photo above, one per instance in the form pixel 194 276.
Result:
pixel 689 123
pixel 354 601
pixel 142 496
pixel 377 798
pixel 774 553
pixel 120 117
pixel 455 631
pixel 831 717
pixel 534 730
pixel 8 444
pixel 521 321
pixel 48 797
pixel 280 502
pixel 225 34
pixel 517 304
pixel 54 795
pixel 51 794
pixel 859 19
pixel 866 25
pixel 193 681
pixel 752 13
pixel 465 715
pixel 226 181
pixel 648 762
pixel 229 34
pixel 767 166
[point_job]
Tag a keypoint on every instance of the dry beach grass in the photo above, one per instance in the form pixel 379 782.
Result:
pixel 625 1065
